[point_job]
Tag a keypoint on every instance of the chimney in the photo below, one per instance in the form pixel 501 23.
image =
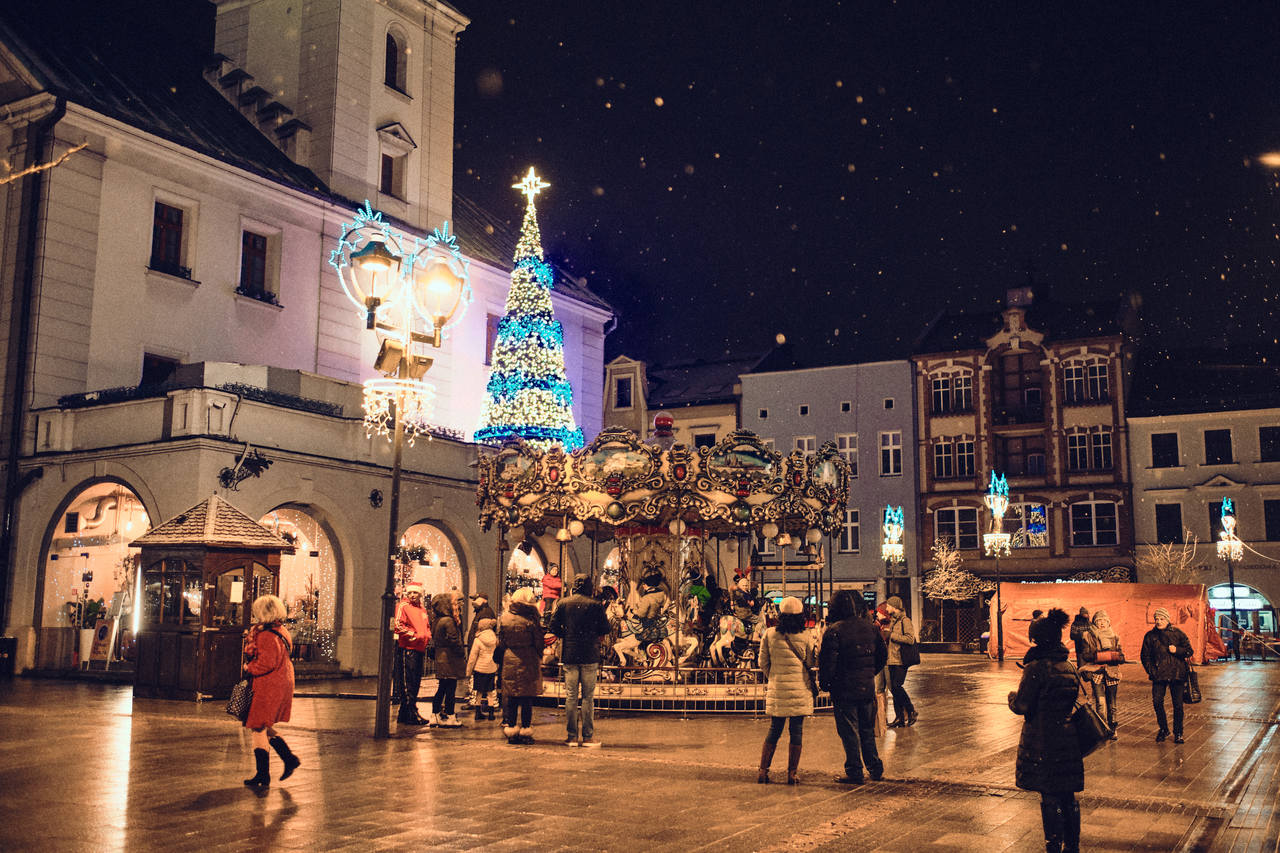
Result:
pixel 1019 297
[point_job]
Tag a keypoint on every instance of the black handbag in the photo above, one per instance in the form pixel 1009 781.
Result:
pixel 1191 687
pixel 241 699
pixel 1091 729
pixel 909 654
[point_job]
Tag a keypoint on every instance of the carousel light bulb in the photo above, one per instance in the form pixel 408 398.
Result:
pixel 769 530
pixel 576 527
pixel 813 536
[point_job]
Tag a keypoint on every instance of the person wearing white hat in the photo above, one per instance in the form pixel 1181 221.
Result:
pixel 787 659
pixel 1165 650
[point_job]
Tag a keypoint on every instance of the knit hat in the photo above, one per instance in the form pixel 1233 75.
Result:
pixel 1160 611
pixel 1084 611
pixel 479 596
pixel 1099 615
pixel 791 605
pixel 582 585
pixel 486 624
pixel 1048 631
pixel 895 602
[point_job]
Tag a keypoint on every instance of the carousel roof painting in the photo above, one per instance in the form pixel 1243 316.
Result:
pixel 213 523
pixel 619 480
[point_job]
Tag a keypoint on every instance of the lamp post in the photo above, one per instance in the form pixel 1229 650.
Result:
pixel 1231 549
pixel 996 543
pixel 892 550
pixel 409 291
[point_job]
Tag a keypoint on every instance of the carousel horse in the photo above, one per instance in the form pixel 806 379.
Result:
pixel 731 628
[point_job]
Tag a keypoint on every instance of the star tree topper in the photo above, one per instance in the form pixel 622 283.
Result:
pixel 531 185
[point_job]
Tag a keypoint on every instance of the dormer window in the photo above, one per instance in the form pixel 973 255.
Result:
pixel 397 66
pixel 396 145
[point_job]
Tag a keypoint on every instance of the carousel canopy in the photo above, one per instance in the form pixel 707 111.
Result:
pixel 739 485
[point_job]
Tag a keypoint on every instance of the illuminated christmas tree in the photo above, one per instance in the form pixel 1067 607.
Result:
pixel 529 395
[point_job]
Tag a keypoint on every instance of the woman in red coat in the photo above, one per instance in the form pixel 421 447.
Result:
pixel 266 651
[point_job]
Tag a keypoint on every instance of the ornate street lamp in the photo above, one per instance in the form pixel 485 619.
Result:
pixel 892 550
pixel 409 290
pixel 1231 549
pixel 996 543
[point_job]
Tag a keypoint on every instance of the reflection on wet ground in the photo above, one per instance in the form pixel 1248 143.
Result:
pixel 87 767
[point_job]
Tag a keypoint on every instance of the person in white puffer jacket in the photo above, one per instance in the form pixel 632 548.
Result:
pixel 787 654
pixel 482 669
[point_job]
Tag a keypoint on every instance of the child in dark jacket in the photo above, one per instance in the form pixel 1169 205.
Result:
pixel 450 658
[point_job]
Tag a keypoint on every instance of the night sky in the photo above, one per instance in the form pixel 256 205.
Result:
pixel 837 173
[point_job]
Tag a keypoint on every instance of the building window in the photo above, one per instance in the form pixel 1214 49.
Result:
pixel 157 369
pixel 622 392
pixel 804 410
pixel 847 444
pixel 1093 523
pixel 1271 519
pixel 806 443
pixel 959 526
pixel 1028 524
pixel 850 536
pixel 891 454
pixel 1269 444
pixel 846 406
pixel 764 413
pixel 964 458
pixel 888 402
pixel 941 395
pixel 704 439
pixel 168 243
pixel 1089 451
pixel 1085 382
pixel 943 460
pixel 393 172
pixel 1217 447
pixel 1018 456
pixel 1017 388
pixel 490 335
pixel 396 64
pixel 1168 523
pixel 952 392
pixel 259 277
pixel 764 546
pixel 1164 450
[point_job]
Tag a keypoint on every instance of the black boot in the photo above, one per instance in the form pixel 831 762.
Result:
pixel 290 760
pixel 1052 817
pixel 1071 828
pixel 490 712
pixel 262 778
pixel 479 713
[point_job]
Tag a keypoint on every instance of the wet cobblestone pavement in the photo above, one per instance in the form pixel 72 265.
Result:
pixel 86 767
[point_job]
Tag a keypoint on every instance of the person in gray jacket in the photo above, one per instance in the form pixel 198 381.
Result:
pixel 580 623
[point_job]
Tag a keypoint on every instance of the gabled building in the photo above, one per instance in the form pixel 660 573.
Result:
pixel 701 396
pixel 1035 392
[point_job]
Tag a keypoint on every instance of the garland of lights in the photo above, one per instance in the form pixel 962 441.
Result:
pixel 528 393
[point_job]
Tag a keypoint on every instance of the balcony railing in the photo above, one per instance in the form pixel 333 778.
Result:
pixel 169 268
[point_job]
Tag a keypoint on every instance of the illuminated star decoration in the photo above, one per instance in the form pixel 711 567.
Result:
pixel 531 185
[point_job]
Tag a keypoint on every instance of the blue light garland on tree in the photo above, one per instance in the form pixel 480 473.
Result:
pixel 529 395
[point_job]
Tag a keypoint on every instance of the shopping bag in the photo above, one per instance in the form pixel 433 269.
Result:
pixel 1091 730
pixel 882 715
pixel 241 699
pixel 1191 687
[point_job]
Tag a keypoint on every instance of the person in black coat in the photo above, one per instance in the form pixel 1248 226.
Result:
pixel 1079 628
pixel 1049 759
pixel 580 622
pixel 1165 651
pixel 853 651
pixel 480 609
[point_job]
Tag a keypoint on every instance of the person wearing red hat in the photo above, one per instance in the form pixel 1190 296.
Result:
pixel 413 632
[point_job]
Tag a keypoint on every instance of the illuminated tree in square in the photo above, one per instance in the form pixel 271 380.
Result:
pixel 528 395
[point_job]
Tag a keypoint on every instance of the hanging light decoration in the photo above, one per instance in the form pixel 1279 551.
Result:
pixel 891 548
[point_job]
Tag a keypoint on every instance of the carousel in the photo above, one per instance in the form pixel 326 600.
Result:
pixel 688 548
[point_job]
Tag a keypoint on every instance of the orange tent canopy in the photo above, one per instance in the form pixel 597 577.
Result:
pixel 1130 606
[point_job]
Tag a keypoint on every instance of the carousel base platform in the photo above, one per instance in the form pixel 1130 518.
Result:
pixel 698 691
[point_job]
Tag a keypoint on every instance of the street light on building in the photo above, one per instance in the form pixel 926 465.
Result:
pixel 892 550
pixel 409 290
pixel 996 543
pixel 1231 549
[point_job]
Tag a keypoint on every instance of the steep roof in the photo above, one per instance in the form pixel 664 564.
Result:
pixel 1205 379
pixel 140 63
pixel 1059 321
pixel 695 383
pixel 213 523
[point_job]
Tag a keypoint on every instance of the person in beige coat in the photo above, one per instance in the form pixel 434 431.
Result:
pixel 901 633
pixel 786 658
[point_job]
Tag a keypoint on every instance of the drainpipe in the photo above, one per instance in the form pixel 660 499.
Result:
pixel 38 136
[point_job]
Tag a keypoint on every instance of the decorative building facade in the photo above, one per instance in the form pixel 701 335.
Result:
pixel 170 324
pixel 700 396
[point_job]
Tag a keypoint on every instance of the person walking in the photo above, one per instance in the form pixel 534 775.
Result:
pixel 1049 760
pixel 1165 651
pixel 413 631
pixel 853 652
pixel 521 639
pixel 482 669
pixel 901 633
pixel 1079 628
pixel 580 623
pixel 786 659
pixel 450 658
pixel 1102 658
pixel 267 648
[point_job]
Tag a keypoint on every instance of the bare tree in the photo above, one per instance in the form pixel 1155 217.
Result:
pixel 1171 562
pixel 948 580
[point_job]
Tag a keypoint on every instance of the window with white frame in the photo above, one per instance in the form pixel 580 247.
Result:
pixel 395 146
pixel 1085 381
pixel 953 458
pixel 850 535
pixel 847 444
pixel 891 454
pixel 957 525
pixel 259 263
pixel 952 392
pixel 764 546
pixel 1093 523
pixel 964 458
pixel 806 443
pixel 1089 451
pixel 1028 525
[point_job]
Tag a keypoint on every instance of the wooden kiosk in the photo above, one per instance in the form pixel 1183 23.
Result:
pixel 201 571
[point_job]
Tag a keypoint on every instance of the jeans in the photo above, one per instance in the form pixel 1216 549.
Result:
pixel 1157 700
pixel 901 701
pixel 580 675
pixel 442 702
pixel 412 680
pixel 1104 698
pixel 856 725
pixel 795 730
